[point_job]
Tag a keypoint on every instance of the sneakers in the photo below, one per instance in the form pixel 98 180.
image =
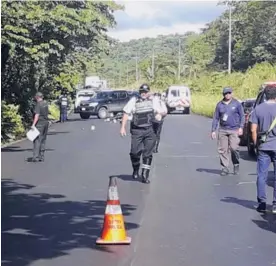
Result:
pixel 224 172
pixel 236 169
pixel 261 207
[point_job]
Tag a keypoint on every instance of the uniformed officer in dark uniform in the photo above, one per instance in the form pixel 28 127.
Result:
pixel 41 123
pixel 63 103
pixel 143 137
pixel 159 119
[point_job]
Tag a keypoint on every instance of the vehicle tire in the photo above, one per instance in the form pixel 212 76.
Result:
pixel 102 113
pixel 186 111
pixel 251 149
pixel 84 115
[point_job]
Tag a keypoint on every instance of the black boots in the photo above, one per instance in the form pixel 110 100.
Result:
pixel 156 147
pixel 135 174
pixel 146 170
pixel 135 161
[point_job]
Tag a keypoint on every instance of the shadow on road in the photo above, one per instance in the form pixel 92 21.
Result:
pixel 80 119
pixel 268 221
pixel 45 226
pixel 57 132
pixel 244 156
pixel 18 149
pixel 209 171
pixel 127 178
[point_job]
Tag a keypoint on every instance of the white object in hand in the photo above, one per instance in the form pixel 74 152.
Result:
pixel 92 127
pixel 158 117
pixel 32 134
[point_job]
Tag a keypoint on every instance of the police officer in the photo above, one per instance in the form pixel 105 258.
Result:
pixel 263 120
pixel 63 103
pixel 229 115
pixel 143 137
pixel 41 123
pixel 159 119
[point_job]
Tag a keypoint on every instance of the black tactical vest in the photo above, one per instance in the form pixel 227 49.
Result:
pixel 143 115
pixel 64 101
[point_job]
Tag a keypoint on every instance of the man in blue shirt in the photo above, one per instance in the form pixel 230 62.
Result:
pixel 262 119
pixel 229 115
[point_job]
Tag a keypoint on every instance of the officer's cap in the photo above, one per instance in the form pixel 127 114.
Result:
pixel 227 90
pixel 144 88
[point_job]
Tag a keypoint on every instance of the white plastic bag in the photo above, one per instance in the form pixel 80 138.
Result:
pixel 32 134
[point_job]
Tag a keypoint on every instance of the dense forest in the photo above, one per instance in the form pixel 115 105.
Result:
pixel 48 44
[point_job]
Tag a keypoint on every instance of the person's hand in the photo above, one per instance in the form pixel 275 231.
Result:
pixel 240 131
pixel 213 135
pixel 33 127
pixel 158 117
pixel 123 132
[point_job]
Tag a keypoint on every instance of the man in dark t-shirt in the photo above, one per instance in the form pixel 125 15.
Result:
pixel 262 119
pixel 63 103
pixel 41 123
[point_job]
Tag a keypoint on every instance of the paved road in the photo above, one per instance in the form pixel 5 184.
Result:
pixel 189 215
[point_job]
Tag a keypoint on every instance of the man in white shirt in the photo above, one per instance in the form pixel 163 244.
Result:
pixel 142 109
pixel 159 119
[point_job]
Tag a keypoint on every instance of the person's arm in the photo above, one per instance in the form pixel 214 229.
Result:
pixel 241 114
pixel 128 109
pixel 37 113
pixel 254 126
pixel 164 109
pixel 215 119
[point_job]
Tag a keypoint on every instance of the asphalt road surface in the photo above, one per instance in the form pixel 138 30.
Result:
pixel 189 215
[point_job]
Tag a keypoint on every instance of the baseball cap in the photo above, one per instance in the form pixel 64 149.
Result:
pixel 227 90
pixel 144 87
pixel 39 94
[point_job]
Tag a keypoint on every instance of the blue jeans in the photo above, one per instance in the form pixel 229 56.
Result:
pixel 63 114
pixel 263 162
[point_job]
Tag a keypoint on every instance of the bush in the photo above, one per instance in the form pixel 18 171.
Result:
pixel 54 111
pixel 11 122
pixel 207 89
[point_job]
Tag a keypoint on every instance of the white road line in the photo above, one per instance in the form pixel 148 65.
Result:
pixel 246 182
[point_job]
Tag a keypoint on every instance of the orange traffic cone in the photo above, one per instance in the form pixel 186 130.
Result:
pixel 113 231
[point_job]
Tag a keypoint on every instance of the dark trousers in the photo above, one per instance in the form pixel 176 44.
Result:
pixel 157 129
pixel 39 142
pixel 264 158
pixel 142 143
pixel 63 114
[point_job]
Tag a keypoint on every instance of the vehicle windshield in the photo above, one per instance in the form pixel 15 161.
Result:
pixel 249 104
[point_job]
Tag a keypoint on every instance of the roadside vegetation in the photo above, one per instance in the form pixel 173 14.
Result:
pixel 49 43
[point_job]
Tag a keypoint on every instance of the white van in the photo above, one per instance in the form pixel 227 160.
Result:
pixel 83 95
pixel 178 98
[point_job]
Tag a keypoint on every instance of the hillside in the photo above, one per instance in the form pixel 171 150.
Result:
pixel 253 41
pixel 122 58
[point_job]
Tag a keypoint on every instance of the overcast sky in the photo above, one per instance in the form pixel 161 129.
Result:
pixel 151 18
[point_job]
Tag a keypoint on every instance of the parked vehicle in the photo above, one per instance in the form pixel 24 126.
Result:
pixel 248 107
pixel 252 150
pixel 83 95
pixel 178 98
pixel 104 103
